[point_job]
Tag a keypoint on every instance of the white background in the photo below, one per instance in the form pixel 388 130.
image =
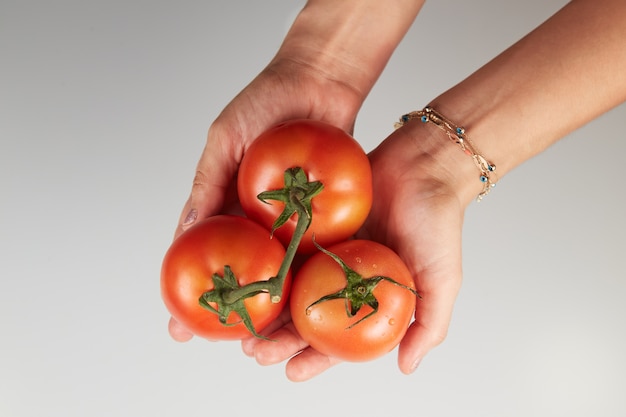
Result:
pixel 104 108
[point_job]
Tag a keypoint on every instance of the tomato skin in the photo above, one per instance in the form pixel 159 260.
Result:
pixel 326 327
pixel 327 154
pixel 205 249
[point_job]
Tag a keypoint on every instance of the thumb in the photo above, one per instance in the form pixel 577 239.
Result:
pixel 433 314
pixel 214 178
pixel 436 264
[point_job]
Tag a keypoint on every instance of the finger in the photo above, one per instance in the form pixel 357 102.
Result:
pixel 308 364
pixel 438 281
pixel 433 314
pixel 178 332
pixel 215 174
pixel 249 345
pixel 208 190
pixel 285 342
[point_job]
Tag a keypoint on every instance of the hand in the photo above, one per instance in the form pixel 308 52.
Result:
pixel 284 90
pixel 418 212
pixel 324 69
pixel 423 182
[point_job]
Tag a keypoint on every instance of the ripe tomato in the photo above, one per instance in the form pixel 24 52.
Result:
pixel 326 154
pixel 204 250
pixel 326 325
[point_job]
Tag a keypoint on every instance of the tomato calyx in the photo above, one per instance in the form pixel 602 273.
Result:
pixel 296 195
pixel 359 291
pixel 223 286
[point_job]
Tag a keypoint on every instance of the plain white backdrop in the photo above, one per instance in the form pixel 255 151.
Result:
pixel 104 108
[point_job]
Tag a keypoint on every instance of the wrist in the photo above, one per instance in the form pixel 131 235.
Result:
pixel 447 154
pixel 456 135
pixel 349 41
pixel 431 159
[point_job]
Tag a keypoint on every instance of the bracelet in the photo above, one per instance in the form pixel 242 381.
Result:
pixel 458 136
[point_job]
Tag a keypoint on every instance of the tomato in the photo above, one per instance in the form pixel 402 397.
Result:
pixel 204 250
pixel 326 325
pixel 326 154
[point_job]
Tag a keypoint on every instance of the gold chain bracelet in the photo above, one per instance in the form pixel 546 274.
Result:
pixel 458 136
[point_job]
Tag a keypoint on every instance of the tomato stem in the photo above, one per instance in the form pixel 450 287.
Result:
pixel 228 295
pixel 297 195
pixel 303 223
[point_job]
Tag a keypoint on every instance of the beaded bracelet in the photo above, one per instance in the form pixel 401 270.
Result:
pixel 458 136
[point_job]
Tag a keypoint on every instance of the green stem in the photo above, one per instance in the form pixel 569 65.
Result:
pixel 227 294
pixel 303 223
pixel 274 285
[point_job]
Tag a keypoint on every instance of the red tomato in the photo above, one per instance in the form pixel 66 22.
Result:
pixel 326 154
pixel 326 325
pixel 204 250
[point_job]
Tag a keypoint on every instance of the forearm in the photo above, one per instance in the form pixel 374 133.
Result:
pixel 568 71
pixel 349 41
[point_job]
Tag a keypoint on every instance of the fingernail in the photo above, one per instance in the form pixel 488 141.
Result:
pixel 415 364
pixel 191 217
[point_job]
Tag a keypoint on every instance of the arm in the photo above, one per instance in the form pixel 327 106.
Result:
pixel 324 69
pixel 563 74
pixel 349 41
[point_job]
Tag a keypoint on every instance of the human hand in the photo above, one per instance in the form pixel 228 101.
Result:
pixel 418 212
pixel 284 90
pixel 324 69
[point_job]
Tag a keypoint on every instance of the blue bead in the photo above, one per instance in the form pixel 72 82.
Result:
pixel 405 118
pixel 424 119
pixel 483 178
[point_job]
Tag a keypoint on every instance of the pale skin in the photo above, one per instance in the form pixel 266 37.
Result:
pixel 567 72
